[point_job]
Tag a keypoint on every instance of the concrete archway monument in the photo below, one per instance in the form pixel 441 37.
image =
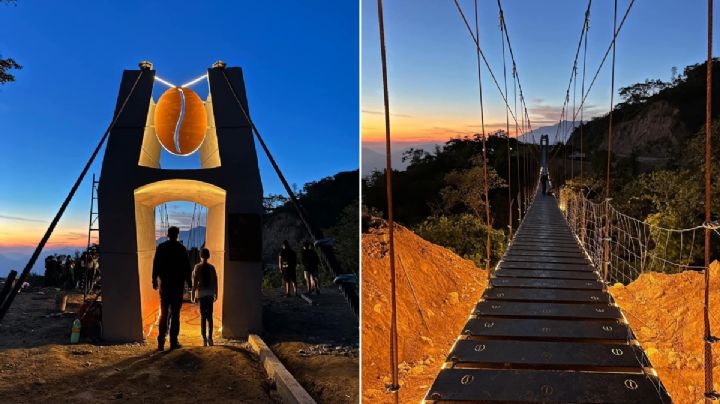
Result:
pixel 132 184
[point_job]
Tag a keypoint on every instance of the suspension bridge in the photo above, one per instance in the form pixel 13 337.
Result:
pixel 547 329
pixel 547 326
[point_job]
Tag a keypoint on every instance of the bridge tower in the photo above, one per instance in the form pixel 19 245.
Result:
pixel 544 146
pixel 132 184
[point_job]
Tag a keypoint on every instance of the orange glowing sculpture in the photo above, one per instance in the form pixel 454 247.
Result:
pixel 180 121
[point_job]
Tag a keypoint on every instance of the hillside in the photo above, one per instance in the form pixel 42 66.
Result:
pixel 655 119
pixel 436 291
pixel 665 312
pixel 331 205
pixel 557 133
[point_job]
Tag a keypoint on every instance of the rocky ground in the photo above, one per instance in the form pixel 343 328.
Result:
pixel 436 291
pixel 664 311
pixel 317 343
pixel 666 314
pixel 38 364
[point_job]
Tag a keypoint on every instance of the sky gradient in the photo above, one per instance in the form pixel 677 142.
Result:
pixel 432 67
pixel 300 61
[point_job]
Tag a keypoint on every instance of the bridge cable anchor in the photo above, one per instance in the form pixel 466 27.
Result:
pixel 711 339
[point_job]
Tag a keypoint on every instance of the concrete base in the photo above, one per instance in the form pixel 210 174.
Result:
pixel 290 390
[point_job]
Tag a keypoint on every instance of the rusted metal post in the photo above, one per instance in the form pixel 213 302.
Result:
pixel 394 387
pixel 710 393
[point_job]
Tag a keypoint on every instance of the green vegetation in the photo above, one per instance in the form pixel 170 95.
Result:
pixel 440 194
pixel 332 205
pixel 465 235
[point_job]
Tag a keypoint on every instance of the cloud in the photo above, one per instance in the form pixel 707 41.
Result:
pixel 22 219
pixel 550 114
pixel 371 112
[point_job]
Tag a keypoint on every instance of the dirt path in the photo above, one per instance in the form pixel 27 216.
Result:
pixel 318 344
pixel 38 365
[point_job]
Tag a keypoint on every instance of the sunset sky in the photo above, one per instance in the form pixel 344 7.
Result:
pixel 433 73
pixel 300 61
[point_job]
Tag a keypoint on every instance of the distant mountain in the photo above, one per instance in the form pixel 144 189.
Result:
pixel 373 160
pixel 7 264
pixel 190 238
pixel 554 135
pixel 17 258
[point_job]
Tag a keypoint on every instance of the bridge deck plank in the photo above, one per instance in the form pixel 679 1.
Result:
pixel 545 329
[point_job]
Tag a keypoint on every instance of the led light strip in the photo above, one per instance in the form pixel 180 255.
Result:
pixel 186 85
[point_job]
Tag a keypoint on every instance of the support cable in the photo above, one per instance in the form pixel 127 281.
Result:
pixel 33 258
pixel 488 223
pixel 606 238
pixel 507 131
pixel 324 246
pixel 582 89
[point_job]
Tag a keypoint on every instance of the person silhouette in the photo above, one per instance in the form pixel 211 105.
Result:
pixel 205 292
pixel 544 181
pixel 287 262
pixel 171 266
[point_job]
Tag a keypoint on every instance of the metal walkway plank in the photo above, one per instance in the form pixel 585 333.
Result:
pixel 522 258
pixel 480 326
pixel 550 266
pixel 550 295
pixel 544 273
pixel 537 354
pixel 564 310
pixel 546 283
pixel 544 386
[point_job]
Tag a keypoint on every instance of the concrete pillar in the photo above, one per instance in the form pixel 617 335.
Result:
pixel 132 184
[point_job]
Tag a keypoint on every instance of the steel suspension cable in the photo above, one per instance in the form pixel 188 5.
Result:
pixel 394 388
pixel 507 132
pixel 607 52
pixel 517 152
pixel 476 40
pixel 488 222
pixel 582 89
pixel 33 258
pixel 606 238
pixel 326 253
pixel 710 393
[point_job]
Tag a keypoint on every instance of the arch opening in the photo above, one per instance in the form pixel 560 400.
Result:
pixel 148 199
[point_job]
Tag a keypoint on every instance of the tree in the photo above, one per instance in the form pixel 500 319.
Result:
pixel 466 188
pixel 640 92
pixel 463 234
pixel 6 65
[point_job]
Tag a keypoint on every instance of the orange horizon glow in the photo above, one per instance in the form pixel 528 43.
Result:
pixel 407 129
pixel 23 237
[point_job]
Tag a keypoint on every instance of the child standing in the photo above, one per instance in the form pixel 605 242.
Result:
pixel 205 291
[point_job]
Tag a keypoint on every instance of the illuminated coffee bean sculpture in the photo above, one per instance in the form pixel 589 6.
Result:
pixel 180 121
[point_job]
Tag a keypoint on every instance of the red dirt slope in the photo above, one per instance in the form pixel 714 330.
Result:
pixel 430 280
pixel 665 312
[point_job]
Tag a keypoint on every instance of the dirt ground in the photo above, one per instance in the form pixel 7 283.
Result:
pixel 38 364
pixel 436 291
pixel 666 314
pixel 317 343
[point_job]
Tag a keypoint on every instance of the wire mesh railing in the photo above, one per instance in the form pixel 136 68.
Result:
pixel 635 246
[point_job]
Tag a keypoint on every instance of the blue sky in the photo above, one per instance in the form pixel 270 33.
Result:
pixel 300 61
pixel 432 67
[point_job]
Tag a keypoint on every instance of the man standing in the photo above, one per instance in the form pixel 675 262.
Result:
pixel 287 261
pixel 310 261
pixel 172 266
pixel 544 181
